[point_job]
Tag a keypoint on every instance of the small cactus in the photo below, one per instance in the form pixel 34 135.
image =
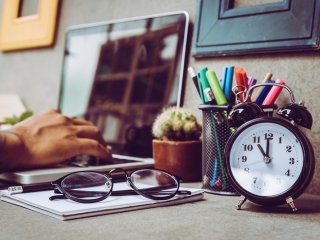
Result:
pixel 176 125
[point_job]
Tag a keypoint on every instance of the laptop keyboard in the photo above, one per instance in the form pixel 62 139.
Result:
pixel 83 161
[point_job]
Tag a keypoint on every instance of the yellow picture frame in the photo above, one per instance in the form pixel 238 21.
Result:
pixel 27 31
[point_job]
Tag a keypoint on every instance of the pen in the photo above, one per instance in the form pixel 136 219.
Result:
pixel 201 91
pixel 216 88
pixel 214 173
pixel 259 89
pixel 228 83
pixel 264 93
pixel 217 142
pixel 223 80
pixel 274 93
pixel 244 78
pixel 241 81
pixel 208 96
pixel 194 78
pixel 30 188
pixel 251 82
pixel 220 100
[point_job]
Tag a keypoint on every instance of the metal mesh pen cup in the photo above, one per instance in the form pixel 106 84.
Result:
pixel 215 136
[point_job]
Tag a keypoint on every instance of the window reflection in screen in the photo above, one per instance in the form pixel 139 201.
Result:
pixel 120 76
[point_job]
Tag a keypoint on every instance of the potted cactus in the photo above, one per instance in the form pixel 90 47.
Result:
pixel 177 147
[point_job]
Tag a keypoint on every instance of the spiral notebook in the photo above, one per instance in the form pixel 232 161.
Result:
pixel 68 210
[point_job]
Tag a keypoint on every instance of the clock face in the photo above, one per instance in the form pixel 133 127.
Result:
pixel 266 159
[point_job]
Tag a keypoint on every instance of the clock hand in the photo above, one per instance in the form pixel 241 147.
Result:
pixel 261 150
pixel 267 147
pixel 266 158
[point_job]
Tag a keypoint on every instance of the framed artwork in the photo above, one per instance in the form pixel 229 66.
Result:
pixel 281 26
pixel 31 31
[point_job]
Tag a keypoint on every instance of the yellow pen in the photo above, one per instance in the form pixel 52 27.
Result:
pixel 259 89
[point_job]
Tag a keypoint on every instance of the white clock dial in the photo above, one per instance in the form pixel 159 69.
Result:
pixel 266 159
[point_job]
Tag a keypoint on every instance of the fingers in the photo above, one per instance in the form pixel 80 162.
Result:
pixel 89 132
pixel 57 117
pixel 74 121
pixel 90 147
pixel 79 121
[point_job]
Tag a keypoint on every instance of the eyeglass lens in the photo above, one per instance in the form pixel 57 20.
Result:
pixel 154 183
pixel 87 185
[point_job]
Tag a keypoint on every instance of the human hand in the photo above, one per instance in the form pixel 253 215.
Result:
pixel 50 138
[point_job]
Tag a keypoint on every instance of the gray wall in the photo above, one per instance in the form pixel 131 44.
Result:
pixel 34 74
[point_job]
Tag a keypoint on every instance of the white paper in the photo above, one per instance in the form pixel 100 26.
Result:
pixel 39 201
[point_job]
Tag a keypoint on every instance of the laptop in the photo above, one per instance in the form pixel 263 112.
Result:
pixel 119 75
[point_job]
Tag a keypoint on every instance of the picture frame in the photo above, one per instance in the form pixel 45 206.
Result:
pixel 31 31
pixel 282 26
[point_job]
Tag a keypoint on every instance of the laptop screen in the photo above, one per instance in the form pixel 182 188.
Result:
pixel 121 74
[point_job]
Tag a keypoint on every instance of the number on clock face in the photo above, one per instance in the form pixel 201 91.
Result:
pixel 266 159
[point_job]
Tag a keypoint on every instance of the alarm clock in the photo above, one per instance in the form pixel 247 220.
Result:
pixel 269 160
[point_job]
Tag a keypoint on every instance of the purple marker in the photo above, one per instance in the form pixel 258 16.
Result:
pixel 251 81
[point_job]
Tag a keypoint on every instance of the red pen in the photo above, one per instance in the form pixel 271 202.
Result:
pixel 273 93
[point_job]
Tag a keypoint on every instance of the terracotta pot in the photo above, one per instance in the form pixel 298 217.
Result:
pixel 179 158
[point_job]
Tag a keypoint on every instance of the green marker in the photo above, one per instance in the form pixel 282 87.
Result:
pixel 216 88
pixel 201 91
pixel 207 92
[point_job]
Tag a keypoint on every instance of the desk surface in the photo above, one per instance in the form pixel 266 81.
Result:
pixel 212 218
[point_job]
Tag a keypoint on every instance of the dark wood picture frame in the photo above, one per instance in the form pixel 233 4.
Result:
pixel 288 25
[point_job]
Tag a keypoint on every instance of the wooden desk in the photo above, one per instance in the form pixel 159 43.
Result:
pixel 213 218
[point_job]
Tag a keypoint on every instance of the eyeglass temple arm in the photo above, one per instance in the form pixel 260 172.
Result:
pixel 155 191
pixel 120 193
pixel 94 193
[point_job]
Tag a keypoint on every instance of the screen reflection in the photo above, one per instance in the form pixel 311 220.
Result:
pixel 120 75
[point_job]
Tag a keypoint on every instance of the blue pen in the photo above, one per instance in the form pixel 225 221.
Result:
pixel 264 92
pixel 228 82
pixel 223 80
pixel 214 173
pixel 222 84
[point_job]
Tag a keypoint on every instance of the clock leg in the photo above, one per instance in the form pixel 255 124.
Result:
pixel 290 202
pixel 241 202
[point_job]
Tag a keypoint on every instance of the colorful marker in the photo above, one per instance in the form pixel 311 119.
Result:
pixel 251 81
pixel 259 89
pixel 214 173
pixel 194 78
pixel 241 81
pixel 273 94
pixel 228 83
pixel 264 93
pixel 216 88
pixel 223 80
pixel 207 92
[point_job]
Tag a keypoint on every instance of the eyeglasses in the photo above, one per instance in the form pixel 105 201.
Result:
pixel 91 186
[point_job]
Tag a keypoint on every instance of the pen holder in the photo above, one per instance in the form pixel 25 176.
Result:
pixel 215 136
pixel 216 133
